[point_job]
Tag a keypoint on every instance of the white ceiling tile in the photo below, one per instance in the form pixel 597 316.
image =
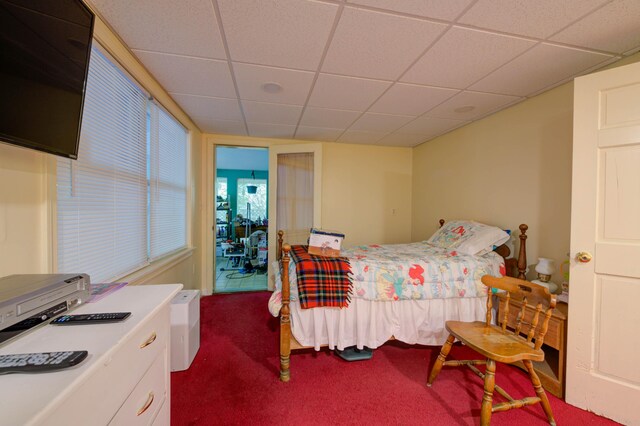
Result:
pixel 482 103
pixel 262 112
pixel 377 45
pixel 429 126
pixel 380 123
pixel 463 56
pixel 191 76
pixel 338 92
pixel 286 33
pixel 263 130
pixel 225 127
pixel 538 68
pixel 410 99
pixel 331 118
pixel 401 139
pixel 295 84
pixel 203 106
pixel 143 24
pixel 361 137
pixel 438 9
pixel 318 133
pixel 539 18
pixel 614 28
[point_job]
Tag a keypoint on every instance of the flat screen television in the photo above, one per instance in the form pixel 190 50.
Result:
pixel 44 58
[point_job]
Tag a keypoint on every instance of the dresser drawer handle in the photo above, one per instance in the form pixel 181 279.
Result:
pixel 146 405
pixel 149 341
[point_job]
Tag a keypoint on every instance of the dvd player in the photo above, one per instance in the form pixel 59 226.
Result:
pixel 27 301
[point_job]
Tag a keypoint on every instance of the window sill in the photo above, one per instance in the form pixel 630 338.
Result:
pixel 144 275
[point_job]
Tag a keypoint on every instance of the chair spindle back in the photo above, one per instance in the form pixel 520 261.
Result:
pixel 526 293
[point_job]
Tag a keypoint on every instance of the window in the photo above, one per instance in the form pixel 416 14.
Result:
pixel 258 200
pixel 222 200
pixel 122 204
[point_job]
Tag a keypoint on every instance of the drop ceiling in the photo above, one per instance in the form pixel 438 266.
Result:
pixel 379 72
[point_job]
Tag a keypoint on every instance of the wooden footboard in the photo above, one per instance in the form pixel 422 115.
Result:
pixel 514 268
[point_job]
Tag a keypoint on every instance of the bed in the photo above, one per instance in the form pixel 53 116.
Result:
pixel 402 292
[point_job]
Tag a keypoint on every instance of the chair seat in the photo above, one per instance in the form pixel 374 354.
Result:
pixel 492 342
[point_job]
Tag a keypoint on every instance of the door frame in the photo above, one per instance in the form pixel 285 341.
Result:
pixel 210 143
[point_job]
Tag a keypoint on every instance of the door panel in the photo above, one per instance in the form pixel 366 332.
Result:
pixel 623 364
pixel 620 107
pixel 604 320
pixel 622 189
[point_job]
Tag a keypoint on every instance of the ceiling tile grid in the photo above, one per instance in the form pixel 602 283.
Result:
pixel 148 24
pixel 539 18
pixel 189 75
pixel 463 56
pixel 537 69
pixel 220 108
pixel 378 45
pixel 284 33
pixel 380 72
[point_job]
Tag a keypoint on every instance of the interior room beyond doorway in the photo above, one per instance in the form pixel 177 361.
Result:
pixel 241 194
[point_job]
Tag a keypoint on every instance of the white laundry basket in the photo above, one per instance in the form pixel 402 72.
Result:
pixel 185 328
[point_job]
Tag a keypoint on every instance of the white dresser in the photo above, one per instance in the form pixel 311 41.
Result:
pixel 125 380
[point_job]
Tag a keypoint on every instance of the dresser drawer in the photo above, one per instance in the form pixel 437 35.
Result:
pixel 147 397
pixel 117 374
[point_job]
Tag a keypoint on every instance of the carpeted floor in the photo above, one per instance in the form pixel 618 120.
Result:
pixel 234 380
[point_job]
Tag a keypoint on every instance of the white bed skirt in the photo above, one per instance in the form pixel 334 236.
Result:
pixel 371 323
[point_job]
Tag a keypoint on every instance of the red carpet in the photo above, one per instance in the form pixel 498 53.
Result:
pixel 234 380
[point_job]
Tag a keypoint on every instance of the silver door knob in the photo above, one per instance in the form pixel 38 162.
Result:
pixel 584 257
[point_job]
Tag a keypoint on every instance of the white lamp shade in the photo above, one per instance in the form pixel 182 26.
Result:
pixel 545 266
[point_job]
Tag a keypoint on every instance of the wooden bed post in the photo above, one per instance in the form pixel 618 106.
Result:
pixel 285 320
pixel 279 247
pixel 522 256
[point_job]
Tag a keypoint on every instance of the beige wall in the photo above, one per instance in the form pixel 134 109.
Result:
pixel 512 167
pixel 24 236
pixel 27 193
pixel 366 193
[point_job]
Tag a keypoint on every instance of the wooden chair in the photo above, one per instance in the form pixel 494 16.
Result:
pixel 497 343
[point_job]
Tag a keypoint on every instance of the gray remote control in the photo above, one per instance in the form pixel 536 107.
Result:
pixel 40 362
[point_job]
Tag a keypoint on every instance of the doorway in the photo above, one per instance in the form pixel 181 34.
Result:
pixel 241 219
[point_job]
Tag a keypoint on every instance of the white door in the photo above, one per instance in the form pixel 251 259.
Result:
pixel 603 373
pixel 300 169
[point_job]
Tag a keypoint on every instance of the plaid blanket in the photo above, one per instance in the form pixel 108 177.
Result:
pixel 322 281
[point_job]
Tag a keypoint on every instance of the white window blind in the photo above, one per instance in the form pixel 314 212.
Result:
pixel 168 183
pixel 102 197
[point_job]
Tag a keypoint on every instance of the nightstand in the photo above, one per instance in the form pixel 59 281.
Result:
pixel 552 370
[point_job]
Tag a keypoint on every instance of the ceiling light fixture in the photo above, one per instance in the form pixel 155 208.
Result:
pixel 272 87
pixel 467 108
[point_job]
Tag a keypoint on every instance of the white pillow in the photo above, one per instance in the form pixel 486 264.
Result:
pixel 468 237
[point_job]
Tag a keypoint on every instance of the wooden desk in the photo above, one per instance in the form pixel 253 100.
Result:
pixel 552 370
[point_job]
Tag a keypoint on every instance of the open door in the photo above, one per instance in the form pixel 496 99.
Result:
pixel 295 190
pixel 604 319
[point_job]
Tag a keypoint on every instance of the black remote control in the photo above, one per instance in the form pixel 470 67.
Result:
pixel 90 318
pixel 40 362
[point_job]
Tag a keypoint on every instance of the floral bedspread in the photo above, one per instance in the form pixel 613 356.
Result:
pixel 415 271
